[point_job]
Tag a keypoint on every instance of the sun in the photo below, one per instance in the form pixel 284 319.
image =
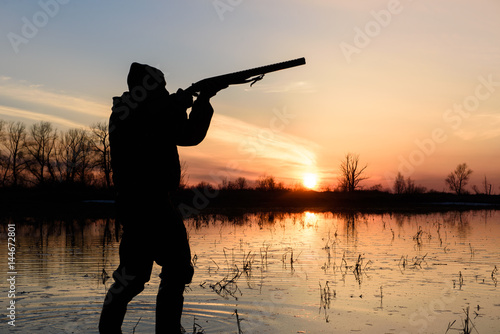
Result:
pixel 310 180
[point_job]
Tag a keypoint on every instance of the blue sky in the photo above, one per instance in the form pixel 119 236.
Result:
pixel 381 78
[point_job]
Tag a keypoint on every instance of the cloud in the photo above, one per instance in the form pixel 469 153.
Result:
pixel 257 142
pixel 249 140
pixel 480 127
pixel 235 148
pixel 17 113
pixel 26 93
pixel 257 149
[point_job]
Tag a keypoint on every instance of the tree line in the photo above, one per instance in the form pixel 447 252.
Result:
pixel 351 173
pixel 40 155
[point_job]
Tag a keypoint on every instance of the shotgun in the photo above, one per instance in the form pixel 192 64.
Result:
pixel 252 75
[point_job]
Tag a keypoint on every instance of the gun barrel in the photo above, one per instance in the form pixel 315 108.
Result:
pixel 243 76
pixel 270 68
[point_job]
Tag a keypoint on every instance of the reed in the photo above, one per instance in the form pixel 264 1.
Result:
pixel 472 251
pixel 494 273
pixel 228 286
pixel 194 260
pixel 403 261
pixel 291 259
pixel 197 329
pixel 104 276
pixel 413 264
pixel 326 296
pixel 381 296
pixel 263 255
pixel 247 263
pixel 238 321
pixel 418 236
pixel 137 324
pixel 358 269
pixel 467 324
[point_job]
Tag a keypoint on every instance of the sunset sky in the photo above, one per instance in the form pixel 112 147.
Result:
pixel 410 86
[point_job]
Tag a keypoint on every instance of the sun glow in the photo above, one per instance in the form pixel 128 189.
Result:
pixel 310 180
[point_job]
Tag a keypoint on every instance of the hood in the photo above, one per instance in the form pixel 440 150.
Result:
pixel 148 77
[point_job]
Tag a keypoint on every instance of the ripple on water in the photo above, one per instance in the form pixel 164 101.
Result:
pixel 284 289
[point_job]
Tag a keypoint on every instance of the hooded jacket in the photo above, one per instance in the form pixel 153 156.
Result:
pixel 145 127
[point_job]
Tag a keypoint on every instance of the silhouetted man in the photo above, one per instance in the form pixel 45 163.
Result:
pixel 146 125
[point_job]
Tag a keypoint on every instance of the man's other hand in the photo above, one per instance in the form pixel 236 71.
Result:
pixel 184 99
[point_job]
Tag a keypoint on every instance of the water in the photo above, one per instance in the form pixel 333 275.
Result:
pixel 274 273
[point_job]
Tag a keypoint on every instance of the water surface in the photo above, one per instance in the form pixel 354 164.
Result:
pixel 274 273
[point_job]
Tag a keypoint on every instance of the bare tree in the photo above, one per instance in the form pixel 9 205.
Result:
pixel 459 178
pixel 39 150
pixel 2 133
pixel 266 183
pixel 224 185
pixel 410 186
pixel 407 186
pixel 184 175
pixel 351 173
pixel 86 161
pixel 14 142
pixel 3 158
pixel 73 156
pixel 241 183
pixel 399 184
pixel 100 142
pixel 269 183
pixel 487 187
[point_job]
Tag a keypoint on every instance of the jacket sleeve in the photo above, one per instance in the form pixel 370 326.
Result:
pixel 195 127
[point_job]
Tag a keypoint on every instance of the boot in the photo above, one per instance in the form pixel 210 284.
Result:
pixel 169 305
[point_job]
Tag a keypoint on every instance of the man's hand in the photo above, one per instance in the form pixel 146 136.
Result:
pixel 184 99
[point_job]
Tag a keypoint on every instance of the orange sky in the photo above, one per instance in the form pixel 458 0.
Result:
pixel 410 86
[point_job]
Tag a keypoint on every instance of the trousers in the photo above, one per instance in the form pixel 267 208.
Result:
pixel 153 231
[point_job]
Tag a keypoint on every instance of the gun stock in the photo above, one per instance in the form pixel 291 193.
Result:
pixel 251 75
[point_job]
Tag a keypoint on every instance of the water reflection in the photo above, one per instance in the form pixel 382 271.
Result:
pixel 283 272
pixel 350 222
pixel 46 248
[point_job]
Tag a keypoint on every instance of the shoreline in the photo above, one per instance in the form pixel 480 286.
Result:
pixel 100 203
